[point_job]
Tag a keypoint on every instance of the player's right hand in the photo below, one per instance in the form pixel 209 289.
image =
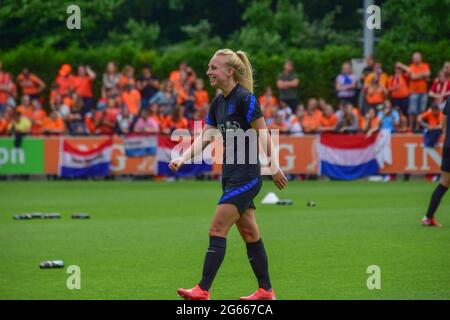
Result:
pixel 176 164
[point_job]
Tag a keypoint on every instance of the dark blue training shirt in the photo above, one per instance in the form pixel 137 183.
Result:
pixel 237 111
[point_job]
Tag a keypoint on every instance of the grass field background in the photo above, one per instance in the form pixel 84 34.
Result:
pixel 146 239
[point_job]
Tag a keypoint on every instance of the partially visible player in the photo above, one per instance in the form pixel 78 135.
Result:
pixel 444 183
pixel 236 108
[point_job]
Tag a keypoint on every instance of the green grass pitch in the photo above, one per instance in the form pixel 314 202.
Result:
pixel 146 239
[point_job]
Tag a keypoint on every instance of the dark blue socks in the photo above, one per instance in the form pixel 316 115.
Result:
pixel 213 259
pixel 435 200
pixel 258 259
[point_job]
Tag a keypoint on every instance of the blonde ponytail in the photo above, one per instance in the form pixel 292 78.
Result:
pixel 246 79
pixel 238 61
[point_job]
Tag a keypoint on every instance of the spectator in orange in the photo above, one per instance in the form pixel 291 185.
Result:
pixel 440 89
pixel 432 118
pixel 6 89
pixel 166 98
pixel 104 120
pixel 378 73
pixel 110 81
pixel 127 77
pixel 148 85
pixel 38 117
pixel 25 107
pixel 419 74
pixel 328 120
pixel 183 74
pixel 399 90
pixel 83 83
pixel 311 119
pixel 268 103
pixel 371 123
pixel 64 80
pixel 30 84
pixel 145 123
pixel 53 125
pixel 201 97
pixel 376 92
pixel 175 120
pixel 131 98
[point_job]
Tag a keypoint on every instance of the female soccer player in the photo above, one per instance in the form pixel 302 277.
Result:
pixel 442 188
pixel 236 108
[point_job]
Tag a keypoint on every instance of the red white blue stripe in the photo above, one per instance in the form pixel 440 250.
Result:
pixel 140 145
pixel 347 157
pixel 76 163
pixel 168 150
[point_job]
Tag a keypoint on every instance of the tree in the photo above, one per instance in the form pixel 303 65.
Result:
pixel 407 21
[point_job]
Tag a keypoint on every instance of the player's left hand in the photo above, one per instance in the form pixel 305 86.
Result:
pixel 279 179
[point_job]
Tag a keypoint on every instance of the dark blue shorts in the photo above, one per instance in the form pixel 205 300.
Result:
pixel 240 193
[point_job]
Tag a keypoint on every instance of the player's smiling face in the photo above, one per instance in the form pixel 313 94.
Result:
pixel 218 72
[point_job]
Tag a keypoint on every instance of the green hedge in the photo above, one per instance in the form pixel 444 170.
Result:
pixel 317 68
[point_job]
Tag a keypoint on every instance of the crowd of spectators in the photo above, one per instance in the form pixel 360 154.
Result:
pixel 405 101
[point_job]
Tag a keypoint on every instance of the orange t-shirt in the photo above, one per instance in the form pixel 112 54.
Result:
pixel 360 118
pixel 65 85
pixel 37 121
pixel 201 98
pixel 4 80
pixel 432 119
pixel 383 79
pixel 375 95
pixel 123 81
pixel 278 125
pixel 175 77
pixel 83 86
pixel 311 123
pixel 132 99
pixel 181 124
pixel 418 86
pixel 182 96
pixel 54 125
pixel 398 87
pixel 328 122
pixel 268 107
pixel 30 84
pixel 374 123
pixel 25 111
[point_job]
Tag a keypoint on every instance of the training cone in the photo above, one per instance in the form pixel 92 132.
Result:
pixel 270 198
